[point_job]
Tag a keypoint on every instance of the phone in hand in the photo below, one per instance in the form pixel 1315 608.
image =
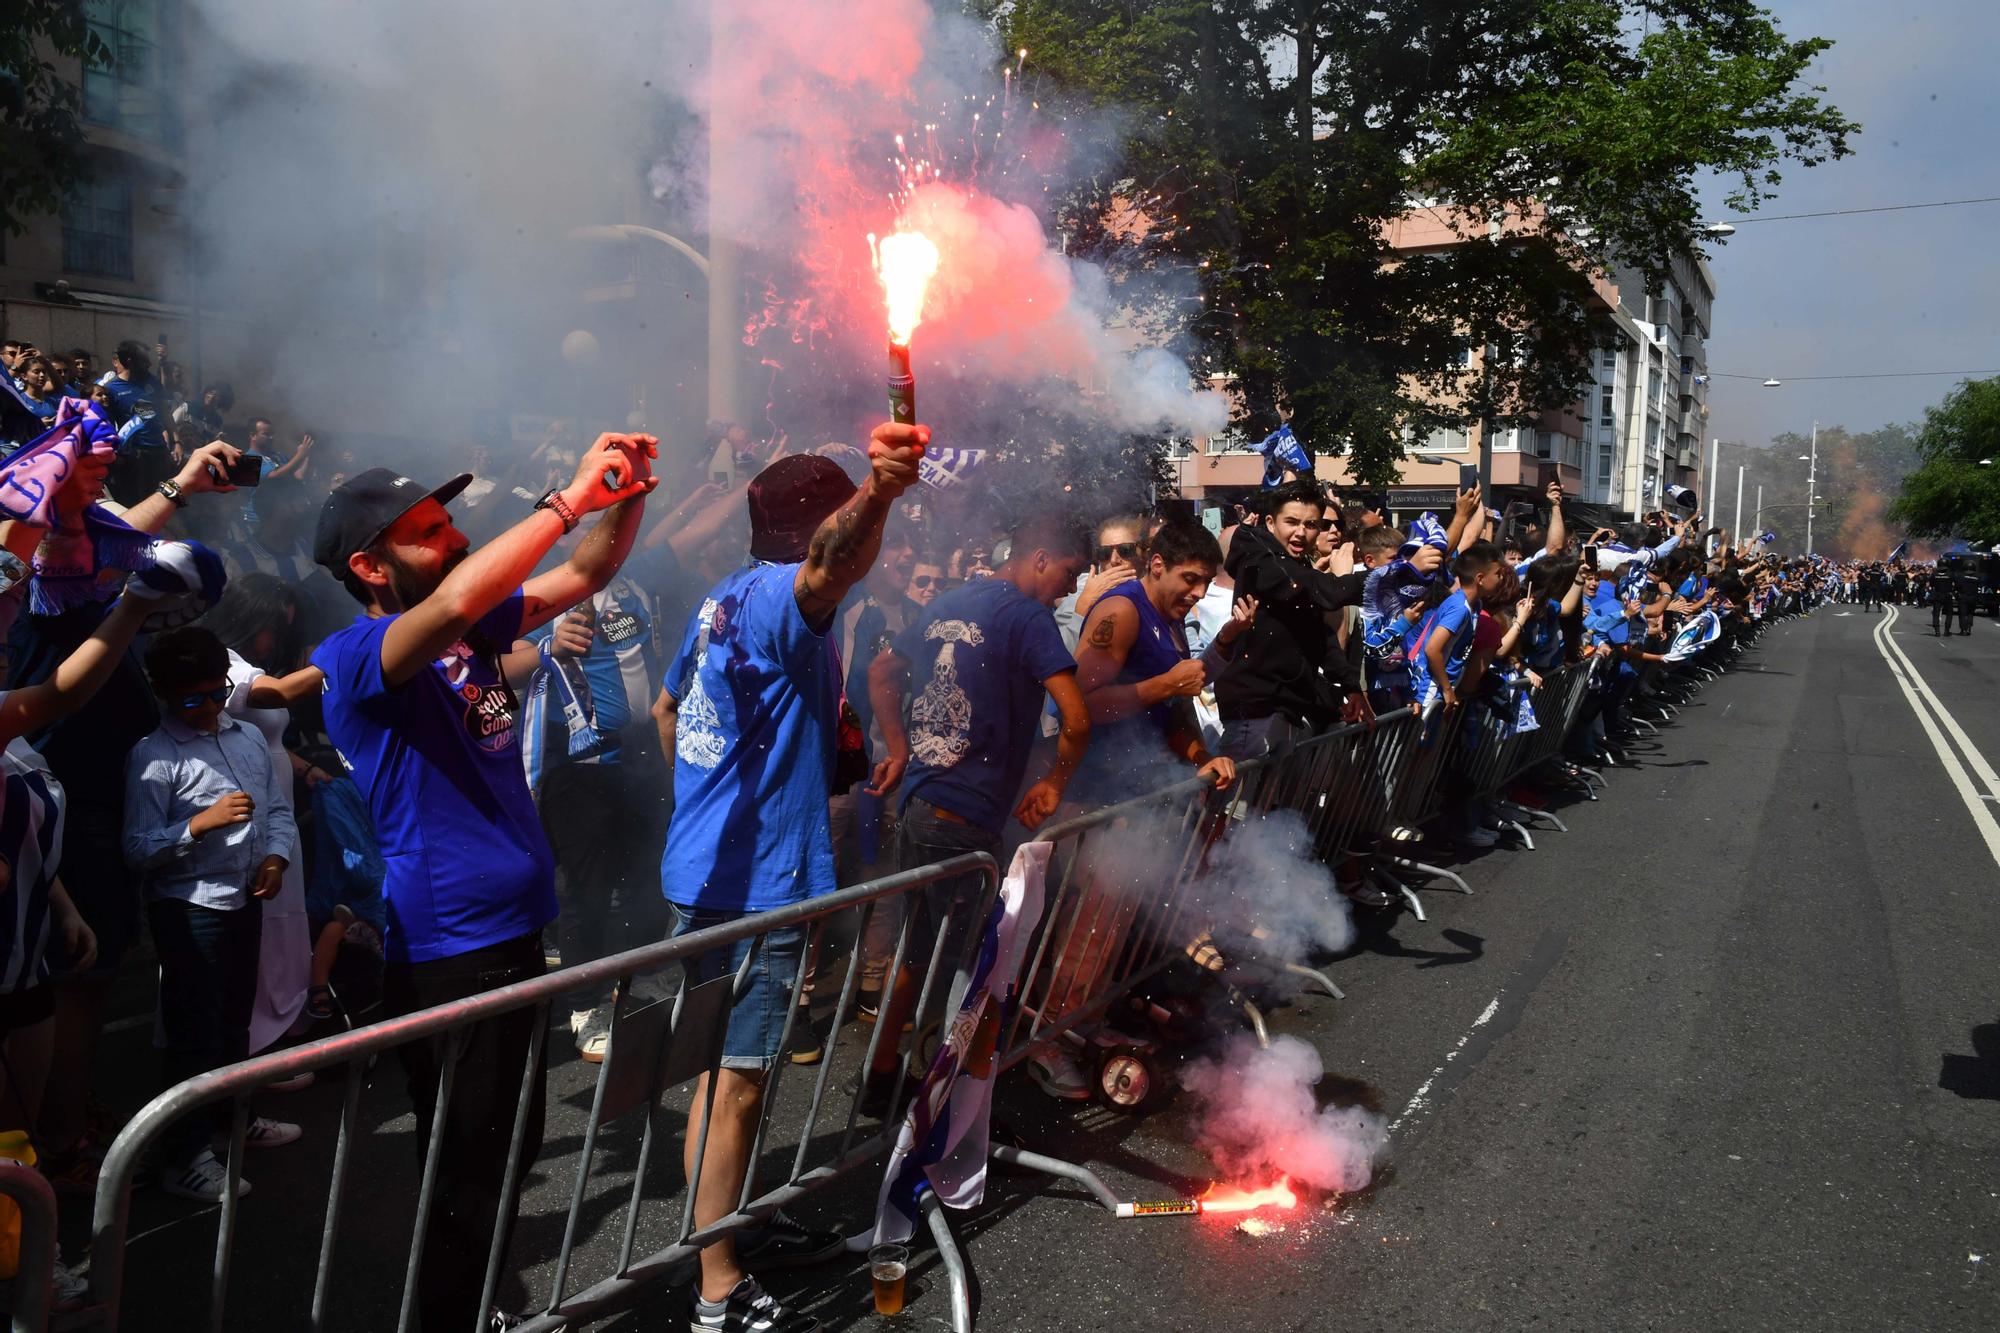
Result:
pixel 1468 476
pixel 247 470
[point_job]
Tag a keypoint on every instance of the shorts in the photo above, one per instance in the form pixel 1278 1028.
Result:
pixel 24 1008
pixel 105 891
pixel 756 1032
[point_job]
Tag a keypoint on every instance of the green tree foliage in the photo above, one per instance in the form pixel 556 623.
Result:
pixel 41 134
pixel 1954 493
pixel 1272 140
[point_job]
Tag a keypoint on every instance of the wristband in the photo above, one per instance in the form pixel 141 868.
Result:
pixel 552 500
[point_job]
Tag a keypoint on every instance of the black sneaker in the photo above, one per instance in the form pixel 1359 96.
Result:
pixel 878 1090
pixel 805 1045
pixel 783 1243
pixel 748 1309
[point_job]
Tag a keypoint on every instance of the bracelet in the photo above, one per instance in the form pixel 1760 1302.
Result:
pixel 171 492
pixel 552 500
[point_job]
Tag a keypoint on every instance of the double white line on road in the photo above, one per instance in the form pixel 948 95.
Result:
pixel 1932 713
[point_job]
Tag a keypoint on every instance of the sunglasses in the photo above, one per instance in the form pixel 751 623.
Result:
pixel 218 695
pixel 924 580
pixel 1124 551
pixel 1326 525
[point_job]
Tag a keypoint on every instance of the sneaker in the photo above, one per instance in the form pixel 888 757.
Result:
pixel 579 1017
pixel 263 1133
pixel 868 1004
pixel 783 1243
pixel 593 1034
pixel 1365 894
pixel 70 1289
pixel 748 1309
pixel 1476 837
pixel 880 1093
pixel 202 1180
pixel 298 1082
pixel 1056 1072
pixel 805 1046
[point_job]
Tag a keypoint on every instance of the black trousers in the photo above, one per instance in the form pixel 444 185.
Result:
pixel 607 824
pixel 472 1190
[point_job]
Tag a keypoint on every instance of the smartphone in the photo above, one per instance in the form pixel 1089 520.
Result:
pixel 1468 476
pixel 247 470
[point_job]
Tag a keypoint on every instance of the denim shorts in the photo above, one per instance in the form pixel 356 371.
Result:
pixel 756 1031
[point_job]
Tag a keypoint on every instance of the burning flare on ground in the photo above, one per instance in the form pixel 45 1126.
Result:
pixel 1221 1198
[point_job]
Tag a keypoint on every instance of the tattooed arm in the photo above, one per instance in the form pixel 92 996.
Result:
pixel 1108 636
pixel 847 542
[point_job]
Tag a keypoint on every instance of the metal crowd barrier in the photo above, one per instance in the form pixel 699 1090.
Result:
pixel 34 1274
pixel 653 1048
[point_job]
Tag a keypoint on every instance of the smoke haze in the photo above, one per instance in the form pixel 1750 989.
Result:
pixel 383 196
pixel 1259 1117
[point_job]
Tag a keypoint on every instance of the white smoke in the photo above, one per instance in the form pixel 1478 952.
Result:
pixel 1259 1117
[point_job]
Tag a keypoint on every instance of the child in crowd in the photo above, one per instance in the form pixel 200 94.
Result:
pixel 209 825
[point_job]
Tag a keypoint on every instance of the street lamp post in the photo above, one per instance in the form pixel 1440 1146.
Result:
pixel 1812 485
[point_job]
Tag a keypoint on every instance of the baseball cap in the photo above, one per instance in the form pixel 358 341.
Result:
pixel 362 508
pixel 788 502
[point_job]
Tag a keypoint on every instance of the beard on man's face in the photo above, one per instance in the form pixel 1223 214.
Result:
pixel 410 585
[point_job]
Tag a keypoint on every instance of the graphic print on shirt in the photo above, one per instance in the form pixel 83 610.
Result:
pixel 698 730
pixel 941 717
pixel 489 709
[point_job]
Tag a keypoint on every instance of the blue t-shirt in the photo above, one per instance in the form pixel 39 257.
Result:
pixel 758 704
pixel 136 403
pixel 439 764
pixel 622 670
pixel 1455 616
pixel 977 658
pixel 1544 648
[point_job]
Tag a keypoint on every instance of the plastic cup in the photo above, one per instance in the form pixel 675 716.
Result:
pixel 887 1267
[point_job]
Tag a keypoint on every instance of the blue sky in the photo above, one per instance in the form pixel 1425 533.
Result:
pixel 1878 292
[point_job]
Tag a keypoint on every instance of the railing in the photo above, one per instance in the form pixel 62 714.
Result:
pixel 1124 901
pixel 34 1274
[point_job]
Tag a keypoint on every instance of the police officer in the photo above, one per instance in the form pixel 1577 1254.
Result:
pixel 1943 602
pixel 1965 589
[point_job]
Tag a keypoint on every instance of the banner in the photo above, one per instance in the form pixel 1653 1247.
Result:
pixel 942 467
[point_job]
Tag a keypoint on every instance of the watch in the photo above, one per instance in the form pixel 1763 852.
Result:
pixel 552 500
pixel 172 491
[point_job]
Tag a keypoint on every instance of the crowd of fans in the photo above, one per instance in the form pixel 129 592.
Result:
pixel 407 740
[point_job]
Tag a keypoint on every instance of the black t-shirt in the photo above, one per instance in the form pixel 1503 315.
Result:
pixel 86 750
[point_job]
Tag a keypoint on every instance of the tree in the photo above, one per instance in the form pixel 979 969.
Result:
pixel 1273 140
pixel 1956 492
pixel 41 131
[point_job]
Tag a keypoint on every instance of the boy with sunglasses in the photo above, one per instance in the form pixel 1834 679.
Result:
pixel 209 825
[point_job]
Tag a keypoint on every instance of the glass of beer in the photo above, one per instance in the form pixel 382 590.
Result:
pixel 887 1266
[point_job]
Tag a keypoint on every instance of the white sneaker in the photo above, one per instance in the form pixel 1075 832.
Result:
pixel 70 1289
pixel 202 1180
pixel 262 1133
pixel 1055 1072
pixel 579 1019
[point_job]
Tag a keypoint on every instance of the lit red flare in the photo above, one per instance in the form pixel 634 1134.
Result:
pixel 1221 1198
pixel 905 261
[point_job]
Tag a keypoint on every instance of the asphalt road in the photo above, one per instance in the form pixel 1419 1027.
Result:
pixel 1726 1055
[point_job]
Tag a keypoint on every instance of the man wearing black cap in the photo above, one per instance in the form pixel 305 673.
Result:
pixel 749 712
pixel 416 703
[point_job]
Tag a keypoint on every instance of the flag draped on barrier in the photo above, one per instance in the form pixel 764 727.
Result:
pixel 944 1138
pixel 1694 636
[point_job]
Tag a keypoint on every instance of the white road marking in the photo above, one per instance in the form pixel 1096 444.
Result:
pixel 1987 777
pixel 1420 1099
pixel 1906 676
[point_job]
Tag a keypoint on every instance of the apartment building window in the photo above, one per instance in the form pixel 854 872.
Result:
pixel 97 230
pixel 1609 358
pixel 1606 406
pixel 127 92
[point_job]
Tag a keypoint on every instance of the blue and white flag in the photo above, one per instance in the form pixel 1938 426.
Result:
pixel 1902 549
pixel 1425 530
pixel 1282 450
pixel 1694 636
pixel 943 467
pixel 946 1133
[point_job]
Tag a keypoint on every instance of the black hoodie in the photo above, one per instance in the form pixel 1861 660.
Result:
pixel 1290 661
